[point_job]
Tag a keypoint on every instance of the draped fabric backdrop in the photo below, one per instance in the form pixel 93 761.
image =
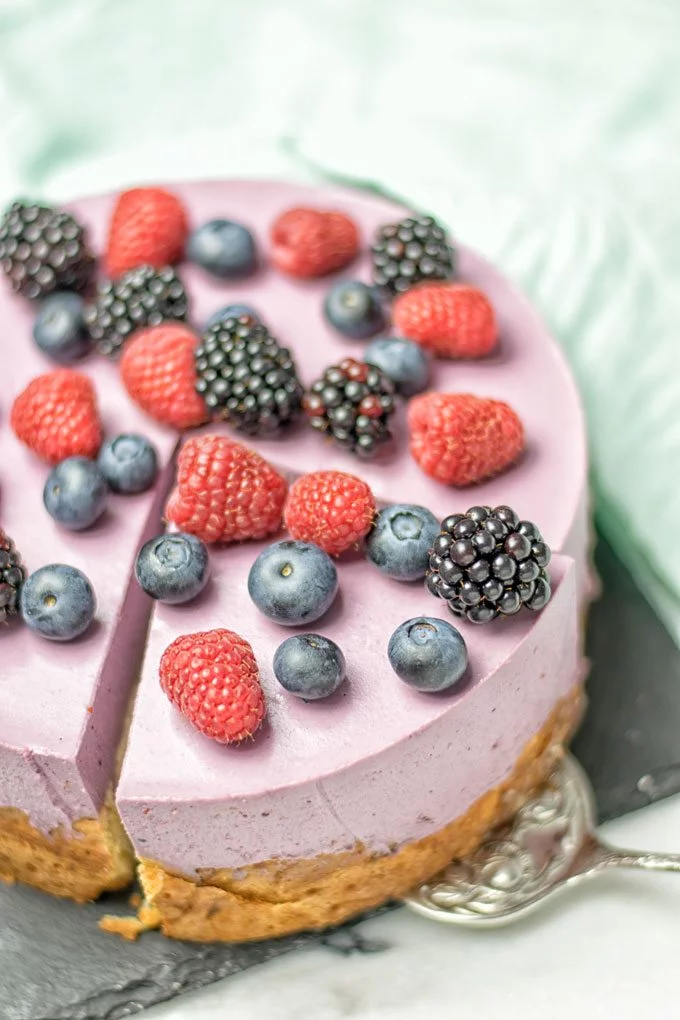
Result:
pixel 545 133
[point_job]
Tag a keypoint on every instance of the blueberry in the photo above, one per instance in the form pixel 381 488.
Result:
pixel 293 582
pixel 226 249
pixel 231 312
pixel 59 330
pixel 402 361
pixel 428 654
pixel 173 568
pixel 128 463
pixel 354 310
pixel 75 493
pixel 400 541
pixel 58 602
pixel 309 666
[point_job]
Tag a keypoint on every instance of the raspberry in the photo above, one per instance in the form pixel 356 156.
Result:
pixel 56 416
pixel 458 439
pixel 213 679
pixel 148 226
pixel 225 492
pixel 311 242
pixel 332 509
pixel 159 373
pixel 451 320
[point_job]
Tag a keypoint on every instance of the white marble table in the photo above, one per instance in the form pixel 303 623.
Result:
pixel 608 949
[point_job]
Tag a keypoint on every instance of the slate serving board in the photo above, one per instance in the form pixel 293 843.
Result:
pixel 56 965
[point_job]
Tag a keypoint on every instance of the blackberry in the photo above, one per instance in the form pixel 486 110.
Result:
pixel 353 403
pixel 144 296
pixel 246 377
pixel 12 576
pixel 487 563
pixel 408 252
pixel 43 250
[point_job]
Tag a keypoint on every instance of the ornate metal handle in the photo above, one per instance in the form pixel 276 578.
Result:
pixel 549 846
pixel 612 857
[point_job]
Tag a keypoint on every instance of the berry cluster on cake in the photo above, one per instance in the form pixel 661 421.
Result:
pixel 293 559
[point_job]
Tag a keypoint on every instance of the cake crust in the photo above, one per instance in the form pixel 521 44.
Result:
pixel 274 898
pixel 95 857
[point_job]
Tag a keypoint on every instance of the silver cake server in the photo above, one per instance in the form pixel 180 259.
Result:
pixel 550 845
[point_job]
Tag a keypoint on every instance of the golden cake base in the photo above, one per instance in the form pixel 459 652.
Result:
pixel 276 898
pixel 95 857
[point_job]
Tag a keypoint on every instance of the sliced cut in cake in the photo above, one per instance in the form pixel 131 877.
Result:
pixel 327 806
pixel 63 705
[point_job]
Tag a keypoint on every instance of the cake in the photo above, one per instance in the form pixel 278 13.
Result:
pixel 333 806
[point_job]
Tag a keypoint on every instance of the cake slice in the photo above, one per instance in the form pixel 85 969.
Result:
pixel 340 804
pixel 63 706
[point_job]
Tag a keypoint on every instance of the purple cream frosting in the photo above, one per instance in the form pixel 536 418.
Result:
pixel 377 762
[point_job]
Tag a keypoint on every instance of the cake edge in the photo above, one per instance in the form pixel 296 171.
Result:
pixel 96 856
pixel 274 898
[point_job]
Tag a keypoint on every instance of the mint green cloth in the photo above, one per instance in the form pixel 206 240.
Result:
pixel 545 133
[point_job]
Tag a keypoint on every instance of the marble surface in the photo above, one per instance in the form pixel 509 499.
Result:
pixel 607 949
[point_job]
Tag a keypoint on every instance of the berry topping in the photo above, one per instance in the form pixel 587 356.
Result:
pixel 159 373
pixel 405 253
pixel 43 250
pixel 309 666
pixel 459 439
pixel 452 320
pixel 173 568
pixel 331 509
pixel 428 654
pixel 246 378
pixel 352 403
pixel 353 308
pixel 75 493
pixel 313 242
pixel 225 492
pixel 148 227
pixel 213 679
pixel 402 361
pixel 58 602
pixel 12 576
pixel 400 541
pixel 56 416
pixel 237 311
pixel 226 249
pixel 293 582
pixel 487 563
pixel 129 463
pixel 141 297
pixel 59 330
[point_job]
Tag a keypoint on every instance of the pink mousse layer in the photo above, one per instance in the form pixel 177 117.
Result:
pixel 528 369
pixel 377 762
pixel 62 705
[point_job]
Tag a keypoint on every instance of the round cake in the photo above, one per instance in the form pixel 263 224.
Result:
pixel 333 805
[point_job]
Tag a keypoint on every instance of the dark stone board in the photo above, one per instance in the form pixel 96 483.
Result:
pixel 55 963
